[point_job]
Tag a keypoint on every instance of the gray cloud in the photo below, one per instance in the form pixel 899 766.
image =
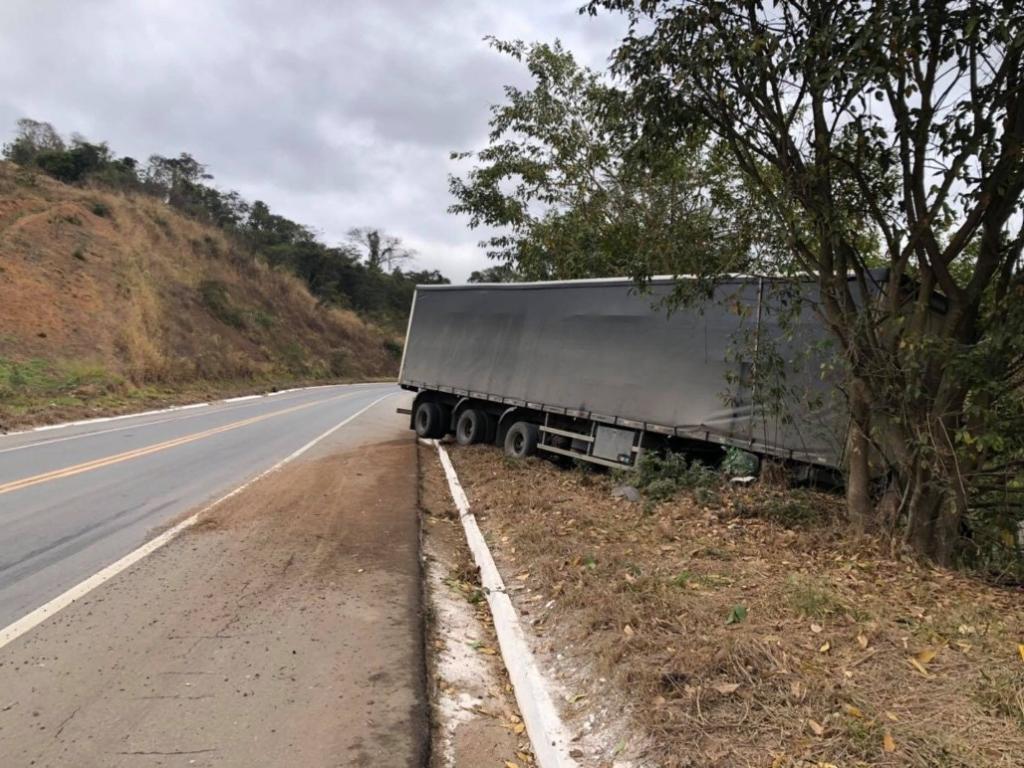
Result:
pixel 338 114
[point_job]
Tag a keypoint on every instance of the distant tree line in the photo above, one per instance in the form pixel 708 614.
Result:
pixel 368 273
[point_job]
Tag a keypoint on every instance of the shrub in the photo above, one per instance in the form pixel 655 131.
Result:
pixel 340 362
pixel 394 347
pixel 739 463
pixel 214 295
pixel 661 476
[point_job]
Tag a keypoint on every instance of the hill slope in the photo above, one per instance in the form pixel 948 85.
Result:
pixel 109 301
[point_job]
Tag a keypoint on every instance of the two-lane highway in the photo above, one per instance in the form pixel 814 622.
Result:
pixel 75 499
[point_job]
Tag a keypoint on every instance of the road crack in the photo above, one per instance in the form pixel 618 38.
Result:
pixel 66 720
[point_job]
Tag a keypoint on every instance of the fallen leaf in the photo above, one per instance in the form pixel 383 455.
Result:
pixel 926 656
pixel 488 650
pixel 816 628
pixel 518 728
pixel 891 716
pixel 853 711
pixel 726 688
pixel 862 641
pixel 918 666
pixel 888 743
pixel 817 727
pixel 628 631
pixel 825 647
pixel 510 764
pixel 1020 650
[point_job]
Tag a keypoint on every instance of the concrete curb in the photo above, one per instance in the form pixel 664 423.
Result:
pixel 544 726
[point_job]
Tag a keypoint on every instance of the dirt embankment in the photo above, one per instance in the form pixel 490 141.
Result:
pixel 744 627
pixel 109 302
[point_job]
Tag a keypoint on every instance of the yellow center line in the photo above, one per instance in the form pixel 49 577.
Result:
pixel 88 466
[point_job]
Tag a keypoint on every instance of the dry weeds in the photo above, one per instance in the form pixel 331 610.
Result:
pixel 116 280
pixel 737 641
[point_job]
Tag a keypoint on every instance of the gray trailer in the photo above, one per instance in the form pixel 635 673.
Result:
pixel 595 370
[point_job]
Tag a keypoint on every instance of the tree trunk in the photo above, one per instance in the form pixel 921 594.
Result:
pixel 933 518
pixel 858 482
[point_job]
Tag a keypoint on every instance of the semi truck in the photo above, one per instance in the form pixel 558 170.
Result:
pixel 599 371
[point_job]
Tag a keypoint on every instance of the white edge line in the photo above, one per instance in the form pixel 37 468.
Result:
pixel 101 419
pixel 547 733
pixel 13 631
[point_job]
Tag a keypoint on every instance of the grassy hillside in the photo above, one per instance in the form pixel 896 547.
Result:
pixel 110 301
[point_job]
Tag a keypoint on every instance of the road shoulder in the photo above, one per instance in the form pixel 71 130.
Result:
pixel 475 719
pixel 284 629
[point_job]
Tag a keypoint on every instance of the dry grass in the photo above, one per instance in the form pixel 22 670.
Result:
pixel 118 281
pixel 738 641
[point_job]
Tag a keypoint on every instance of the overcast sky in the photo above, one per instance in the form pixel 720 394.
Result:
pixel 337 113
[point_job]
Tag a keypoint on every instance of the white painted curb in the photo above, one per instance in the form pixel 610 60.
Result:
pixel 102 419
pixel 547 733
pixel 13 631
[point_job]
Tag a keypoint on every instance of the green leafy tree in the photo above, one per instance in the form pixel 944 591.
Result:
pixel 32 138
pixel 877 135
pixel 178 179
pixel 500 273
pixel 568 186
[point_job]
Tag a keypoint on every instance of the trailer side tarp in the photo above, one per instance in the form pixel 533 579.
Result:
pixel 602 348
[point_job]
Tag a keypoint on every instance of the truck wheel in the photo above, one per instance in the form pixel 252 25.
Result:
pixel 429 421
pixel 472 427
pixel 521 440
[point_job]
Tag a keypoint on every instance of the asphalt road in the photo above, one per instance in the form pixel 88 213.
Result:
pixel 75 499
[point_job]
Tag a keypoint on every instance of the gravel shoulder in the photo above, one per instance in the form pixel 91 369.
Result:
pixel 475 721
pixel 284 629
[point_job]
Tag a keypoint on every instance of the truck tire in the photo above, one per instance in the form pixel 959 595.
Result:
pixel 521 440
pixel 429 421
pixel 472 427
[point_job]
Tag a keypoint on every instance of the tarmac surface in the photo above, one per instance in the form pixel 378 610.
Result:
pixel 284 628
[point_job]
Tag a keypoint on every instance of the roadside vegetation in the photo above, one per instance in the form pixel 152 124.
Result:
pixel 875 150
pixel 872 148
pixel 112 302
pixel 368 273
pixel 749 625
